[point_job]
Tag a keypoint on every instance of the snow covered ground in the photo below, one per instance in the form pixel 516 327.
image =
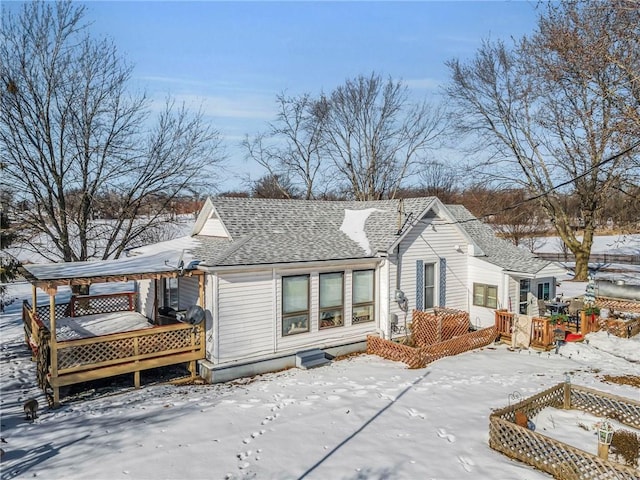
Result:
pixel 359 418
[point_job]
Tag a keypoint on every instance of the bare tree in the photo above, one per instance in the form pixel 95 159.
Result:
pixel 273 186
pixel 77 144
pixel 558 109
pixel 292 148
pixel 375 136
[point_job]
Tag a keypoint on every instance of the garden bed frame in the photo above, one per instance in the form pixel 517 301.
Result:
pixel 552 456
pixel 62 363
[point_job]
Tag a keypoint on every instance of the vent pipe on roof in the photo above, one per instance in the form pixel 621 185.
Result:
pixel 400 216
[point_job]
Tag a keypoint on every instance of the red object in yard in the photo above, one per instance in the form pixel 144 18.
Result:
pixel 574 337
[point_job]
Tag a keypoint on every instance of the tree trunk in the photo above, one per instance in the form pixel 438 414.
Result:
pixel 582 264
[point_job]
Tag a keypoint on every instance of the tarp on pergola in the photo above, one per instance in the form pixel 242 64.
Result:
pixel 149 264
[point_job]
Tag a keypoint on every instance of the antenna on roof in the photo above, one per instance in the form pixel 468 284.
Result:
pixel 400 215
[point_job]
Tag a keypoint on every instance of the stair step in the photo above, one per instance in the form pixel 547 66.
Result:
pixel 318 362
pixel 311 358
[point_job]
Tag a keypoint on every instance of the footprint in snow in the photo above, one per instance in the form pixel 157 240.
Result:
pixel 466 463
pixel 442 433
pixel 414 413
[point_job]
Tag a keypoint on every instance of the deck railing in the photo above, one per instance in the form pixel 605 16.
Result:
pixel 504 324
pixel 73 361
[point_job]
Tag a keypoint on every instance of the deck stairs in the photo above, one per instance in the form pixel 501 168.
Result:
pixel 311 358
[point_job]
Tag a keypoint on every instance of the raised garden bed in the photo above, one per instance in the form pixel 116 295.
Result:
pixel 555 457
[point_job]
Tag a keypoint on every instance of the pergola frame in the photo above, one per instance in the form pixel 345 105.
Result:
pixel 49 283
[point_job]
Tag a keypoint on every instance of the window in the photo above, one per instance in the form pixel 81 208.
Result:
pixel 295 304
pixel 331 300
pixel 429 285
pixel 485 295
pixel 171 293
pixel 363 296
pixel 544 291
pixel 525 288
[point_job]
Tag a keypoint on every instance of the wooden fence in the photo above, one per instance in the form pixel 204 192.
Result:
pixel 420 357
pixel 593 258
pixel 70 362
pixel 552 456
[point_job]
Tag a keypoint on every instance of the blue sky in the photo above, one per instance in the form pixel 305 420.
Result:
pixel 233 58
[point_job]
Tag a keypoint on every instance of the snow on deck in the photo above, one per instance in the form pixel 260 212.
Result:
pixel 87 326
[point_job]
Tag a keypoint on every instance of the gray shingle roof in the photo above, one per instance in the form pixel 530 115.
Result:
pixel 268 231
pixel 498 251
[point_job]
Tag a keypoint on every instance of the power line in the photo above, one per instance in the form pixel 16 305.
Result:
pixel 549 190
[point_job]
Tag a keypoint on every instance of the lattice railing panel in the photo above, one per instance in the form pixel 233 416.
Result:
pixel 89 305
pixel 121 349
pixel 60 309
pixel 429 328
pixel 170 340
pixel 92 353
pixel 604 405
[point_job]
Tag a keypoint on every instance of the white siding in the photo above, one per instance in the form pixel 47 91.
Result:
pixel 188 292
pixel 213 227
pixel 245 318
pixel 429 244
pixel 488 274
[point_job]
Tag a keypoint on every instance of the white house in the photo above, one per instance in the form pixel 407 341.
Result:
pixel 284 276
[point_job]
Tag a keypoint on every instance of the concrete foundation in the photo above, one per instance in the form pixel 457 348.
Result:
pixel 212 373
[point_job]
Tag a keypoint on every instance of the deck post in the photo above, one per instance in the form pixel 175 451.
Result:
pixel 51 291
pixel 201 290
pixel 34 299
pixel 136 352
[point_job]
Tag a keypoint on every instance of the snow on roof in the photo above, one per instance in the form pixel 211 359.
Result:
pixel 353 226
pixel 156 258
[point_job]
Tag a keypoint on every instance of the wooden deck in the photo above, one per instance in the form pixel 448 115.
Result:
pixel 68 362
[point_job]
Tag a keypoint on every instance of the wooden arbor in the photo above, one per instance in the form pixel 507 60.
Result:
pixel 67 362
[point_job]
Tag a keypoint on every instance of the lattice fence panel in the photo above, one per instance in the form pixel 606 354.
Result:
pixel 604 405
pixel 419 357
pixel 461 344
pixel 551 456
pixel 102 304
pixel 618 305
pixel 411 356
pixel 551 397
pixel 623 328
pixel 429 328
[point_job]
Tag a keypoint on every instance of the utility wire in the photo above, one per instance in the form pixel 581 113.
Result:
pixel 548 191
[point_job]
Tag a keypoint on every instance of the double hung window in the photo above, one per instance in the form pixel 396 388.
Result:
pixel 485 295
pixel 295 304
pixel 363 296
pixel 331 299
